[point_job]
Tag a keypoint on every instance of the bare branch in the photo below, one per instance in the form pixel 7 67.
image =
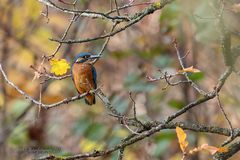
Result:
pixel 107 103
pixel 208 96
pixel 156 127
pixel 232 149
pixel 83 13
pixel 133 19
pixel 45 106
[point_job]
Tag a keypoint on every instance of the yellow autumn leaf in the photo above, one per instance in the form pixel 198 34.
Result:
pixel 222 149
pixel 157 4
pixel 59 67
pixel 182 139
pixel 189 69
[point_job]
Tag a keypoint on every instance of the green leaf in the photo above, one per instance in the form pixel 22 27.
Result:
pixel 196 76
pixel 120 54
pixel 166 134
pixel 176 103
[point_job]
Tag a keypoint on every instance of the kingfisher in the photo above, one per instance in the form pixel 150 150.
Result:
pixel 84 75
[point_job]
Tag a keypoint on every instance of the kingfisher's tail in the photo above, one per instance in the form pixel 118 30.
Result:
pixel 90 99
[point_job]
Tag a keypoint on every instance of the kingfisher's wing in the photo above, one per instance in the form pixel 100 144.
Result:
pixel 73 79
pixel 94 73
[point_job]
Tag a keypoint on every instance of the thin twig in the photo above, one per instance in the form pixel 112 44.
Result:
pixel 124 119
pixel 49 76
pixel 166 76
pixel 74 4
pixel 40 100
pixel 73 19
pixel 135 110
pixel 188 52
pixel 46 14
pixel 134 105
pixel 116 5
pixel 105 43
pixel 194 85
pixel 167 79
pixel 227 119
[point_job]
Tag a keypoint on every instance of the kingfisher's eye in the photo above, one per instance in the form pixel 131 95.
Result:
pixel 87 56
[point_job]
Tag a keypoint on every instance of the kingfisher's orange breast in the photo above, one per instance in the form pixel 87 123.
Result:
pixel 83 77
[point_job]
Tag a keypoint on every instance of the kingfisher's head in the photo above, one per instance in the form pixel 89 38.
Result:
pixel 84 57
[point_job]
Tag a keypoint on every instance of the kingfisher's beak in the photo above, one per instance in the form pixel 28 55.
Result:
pixel 94 56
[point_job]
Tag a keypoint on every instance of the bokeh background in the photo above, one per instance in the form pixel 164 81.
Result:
pixel 130 56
